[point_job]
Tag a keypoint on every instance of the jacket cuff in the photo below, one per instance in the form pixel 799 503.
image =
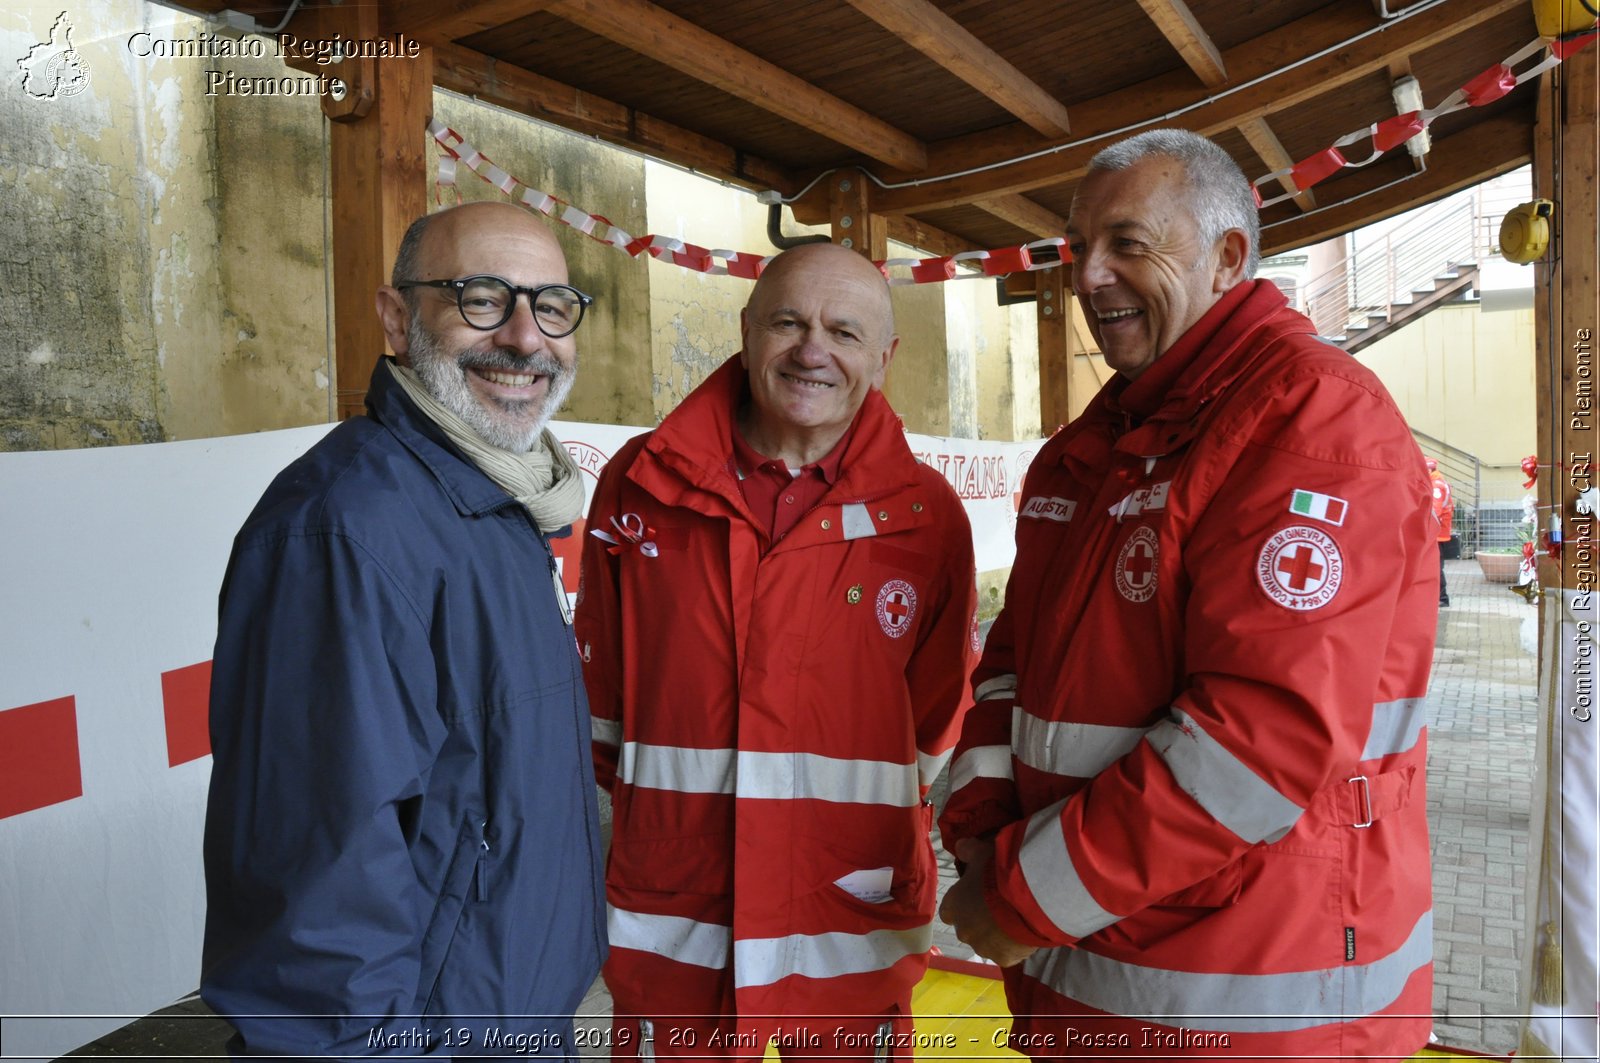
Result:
pixel 1007 918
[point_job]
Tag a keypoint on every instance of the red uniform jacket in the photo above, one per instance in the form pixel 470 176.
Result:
pixel 768 718
pixel 1199 729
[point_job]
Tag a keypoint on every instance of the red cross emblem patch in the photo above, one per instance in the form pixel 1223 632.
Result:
pixel 1300 568
pixel 897 607
pixel 1136 565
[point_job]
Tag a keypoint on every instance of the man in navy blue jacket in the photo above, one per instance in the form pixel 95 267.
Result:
pixel 402 854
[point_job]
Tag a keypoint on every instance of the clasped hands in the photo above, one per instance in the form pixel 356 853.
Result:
pixel 964 908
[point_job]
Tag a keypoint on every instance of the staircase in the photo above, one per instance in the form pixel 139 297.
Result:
pixel 1428 260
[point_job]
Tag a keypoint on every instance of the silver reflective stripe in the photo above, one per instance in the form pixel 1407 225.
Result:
pixel 1235 796
pixel 1053 880
pixel 1396 725
pixel 981 762
pixel 1082 750
pixel 763 961
pixel 929 765
pixel 785 776
pixel 1235 1003
pixel 1001 686
pixel 606 732
pixel 682 769
pixel 856 521
pixel 676 938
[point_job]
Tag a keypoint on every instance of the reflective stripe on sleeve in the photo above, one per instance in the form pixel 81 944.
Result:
pixel 1396 726
pixel 1053 880
pixel 681 769
pixel 1225 787
pixel 929 765
pixel 780 776
pixel 676 938
pixel 606 732
pixel 1081 750
pixel 1001 686
pixel 981 762
pixel 763 961
pixel 1235 1003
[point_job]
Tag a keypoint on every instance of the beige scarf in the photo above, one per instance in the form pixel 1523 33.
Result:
pixel 546 480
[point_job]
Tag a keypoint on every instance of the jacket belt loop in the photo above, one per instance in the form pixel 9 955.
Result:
pixel 1363 799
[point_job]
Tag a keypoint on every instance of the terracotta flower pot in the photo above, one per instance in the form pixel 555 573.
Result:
pixel 1499 568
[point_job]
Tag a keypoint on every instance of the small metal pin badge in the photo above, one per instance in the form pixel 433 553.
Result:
pixel 853 595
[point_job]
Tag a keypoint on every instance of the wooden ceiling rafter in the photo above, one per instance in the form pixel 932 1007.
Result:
pixel 945 41
pixel 474 74
pixel 445 21
pixel 1178 24
pixel 643 27
pixel 1032 218
pixel 1274 90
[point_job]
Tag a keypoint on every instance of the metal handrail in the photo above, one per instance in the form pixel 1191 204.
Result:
pixel 1393 270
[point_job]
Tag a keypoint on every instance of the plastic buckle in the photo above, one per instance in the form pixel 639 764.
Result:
pixel 1363 801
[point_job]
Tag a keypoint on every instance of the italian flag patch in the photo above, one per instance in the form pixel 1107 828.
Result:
pixel 1318 507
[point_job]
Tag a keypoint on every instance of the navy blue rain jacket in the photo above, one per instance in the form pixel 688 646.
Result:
pixel 401 840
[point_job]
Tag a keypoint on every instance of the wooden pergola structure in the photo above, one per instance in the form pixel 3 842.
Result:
pixel 954 125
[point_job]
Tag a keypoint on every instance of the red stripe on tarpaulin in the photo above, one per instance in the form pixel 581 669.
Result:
pixel 186 704
pixel 39 756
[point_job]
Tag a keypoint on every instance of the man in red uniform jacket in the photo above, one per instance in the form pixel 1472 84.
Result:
pixel 776 623
pixel 1190 798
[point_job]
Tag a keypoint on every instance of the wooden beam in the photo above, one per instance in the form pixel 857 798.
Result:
pixel 1055 349
pixel 1272 152
pixel 657 33
pixel 1492 147
pixel 1568 315
pixel 1178 25
pixel 924 237
pixel 1026 215
pixel 475 74
pixel 854 224
pixel 378 166
pixel 948 43
pixel 1265 58
pixel 445 21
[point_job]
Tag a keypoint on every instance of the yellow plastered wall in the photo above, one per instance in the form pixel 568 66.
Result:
pixel 1467 378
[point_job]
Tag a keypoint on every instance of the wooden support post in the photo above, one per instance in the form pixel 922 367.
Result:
pixel 378 161
pixel 1567 315
pixel 1055 348
pixel 854 224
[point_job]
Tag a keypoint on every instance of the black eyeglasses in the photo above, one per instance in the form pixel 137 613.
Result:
pixel 488 302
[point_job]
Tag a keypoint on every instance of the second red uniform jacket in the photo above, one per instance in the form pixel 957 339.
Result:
pixel 1199 729
pixel 768 717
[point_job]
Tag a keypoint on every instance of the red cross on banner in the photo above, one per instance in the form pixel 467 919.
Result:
pixel 186 704
pixel 39 756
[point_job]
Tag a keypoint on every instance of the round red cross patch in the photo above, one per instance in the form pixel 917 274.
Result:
pixel 1136 566
pixel 897 607
pixel 1300 568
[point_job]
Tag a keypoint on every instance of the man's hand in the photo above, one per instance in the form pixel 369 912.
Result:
pixel 964 908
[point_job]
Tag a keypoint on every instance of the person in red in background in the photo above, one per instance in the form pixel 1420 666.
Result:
pixel 1444 512
pixel 776 624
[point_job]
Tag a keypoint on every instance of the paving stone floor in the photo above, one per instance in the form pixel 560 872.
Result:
pixel 1482 725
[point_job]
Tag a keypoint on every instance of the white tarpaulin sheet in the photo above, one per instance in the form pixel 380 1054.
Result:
pixel 110 571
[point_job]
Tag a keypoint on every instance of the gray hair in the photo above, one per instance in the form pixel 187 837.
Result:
pixel 408 260
pixel 1218 192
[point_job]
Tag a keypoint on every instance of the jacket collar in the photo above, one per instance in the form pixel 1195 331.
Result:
pixel 696 442
pixel 470 491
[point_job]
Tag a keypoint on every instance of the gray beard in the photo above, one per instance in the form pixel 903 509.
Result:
pixel 445 377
